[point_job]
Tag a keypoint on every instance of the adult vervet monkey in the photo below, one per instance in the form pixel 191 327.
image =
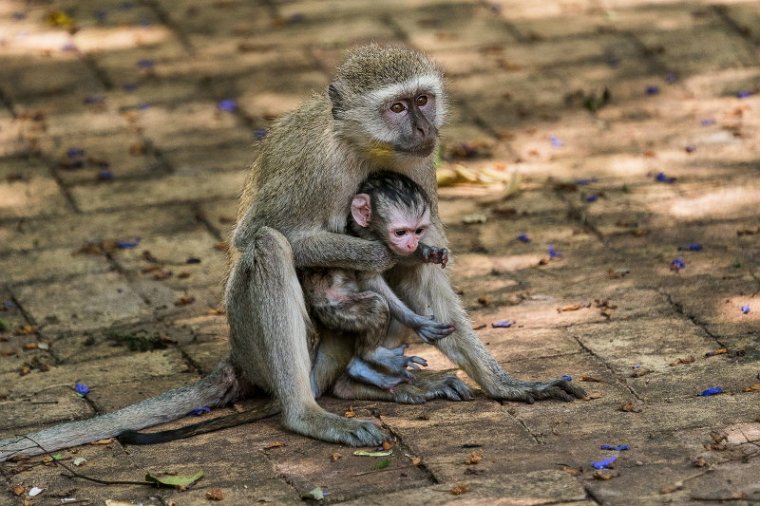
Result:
pixel 383 110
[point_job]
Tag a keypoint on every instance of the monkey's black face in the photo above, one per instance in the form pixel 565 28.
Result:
pixel 413 117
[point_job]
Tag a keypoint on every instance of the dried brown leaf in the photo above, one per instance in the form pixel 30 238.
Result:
pixel 572 471
pixel 274 444
pixel 184 301
pixel 349 413
pixel 416 461
pixel 752 388
pixel 485 300
pixel 474 458
pixel 387 445
pixel 669 489
pixel 19 490
pixel 335 456
pixel 572 307
pixel 719 351
pixel 683 360
pixel 605 474
pixel 460 488
pixel 215 494
pixel 630 407
pixel 590 379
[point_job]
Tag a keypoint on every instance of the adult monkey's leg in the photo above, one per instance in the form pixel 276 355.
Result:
pixel 427 290
pixel 268 337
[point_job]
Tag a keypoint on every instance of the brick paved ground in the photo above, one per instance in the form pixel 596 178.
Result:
pixel 111 130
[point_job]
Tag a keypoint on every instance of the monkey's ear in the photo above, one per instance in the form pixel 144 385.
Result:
pixel 336 97
pixel 361 209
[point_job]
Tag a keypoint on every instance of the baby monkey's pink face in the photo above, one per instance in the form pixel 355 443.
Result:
pixel 405 232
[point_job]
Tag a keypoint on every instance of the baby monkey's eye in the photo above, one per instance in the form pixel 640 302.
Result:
pixel 421 100
pixel 398 107
pixel 400 233
pixel 419 231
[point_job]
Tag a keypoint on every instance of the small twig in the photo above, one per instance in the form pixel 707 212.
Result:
pixel 75 474
pixel 385 469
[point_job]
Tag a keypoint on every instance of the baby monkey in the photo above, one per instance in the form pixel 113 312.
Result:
pixel 395 210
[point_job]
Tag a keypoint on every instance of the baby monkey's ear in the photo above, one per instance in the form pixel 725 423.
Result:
pixel 361 209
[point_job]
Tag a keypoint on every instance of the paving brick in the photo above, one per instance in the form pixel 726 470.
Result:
pixel 191 258
pixel 193 160
pixel 452 26
pixel 76 230
pixel 27 189
pixel 102 300
pixel 166 190
pixel 120 154
pixel 541 487
pixel 52 264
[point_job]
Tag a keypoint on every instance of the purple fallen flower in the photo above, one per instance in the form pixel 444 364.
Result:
pixel 692 246
pixel 68 47
pixel 567 377
pixel 690 148
pixel 652 90
pixel 617 448
pixel 745 309
pixel 671 77
pixel 592 197
pixel 93 100
pixel 101 15
pixel 105 174
pixel 200 411
pixel 128 244
pixel 555 141
pixel 604 463
pixel 612 60
pixel 553 253
pixel 677 264
pixel 523 238
pixel 81 389
pixel 143 106
pixel 711 391
pixel 129 87
pixel 75 152
pixel 662 178
pixel 18 16
pixel 586 181
pixel 228 104
pixel 145 64
pixel 708 122
pixel 501 324
pixel 744 94
pixel 260 133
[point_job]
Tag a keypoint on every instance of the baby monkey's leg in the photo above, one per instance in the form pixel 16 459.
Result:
pixel 338 305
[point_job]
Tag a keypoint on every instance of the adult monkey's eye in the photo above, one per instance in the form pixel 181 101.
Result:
pixel 397 107
pixel 421 100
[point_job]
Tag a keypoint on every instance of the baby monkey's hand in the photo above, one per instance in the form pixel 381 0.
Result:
pixel 433 254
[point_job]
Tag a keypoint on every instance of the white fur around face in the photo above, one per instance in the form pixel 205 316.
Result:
pixel 428 83
pixel 368 114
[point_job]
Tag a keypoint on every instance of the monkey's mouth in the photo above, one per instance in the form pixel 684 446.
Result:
pixel 422 150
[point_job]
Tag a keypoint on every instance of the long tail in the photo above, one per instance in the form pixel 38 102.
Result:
pixel 219 388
